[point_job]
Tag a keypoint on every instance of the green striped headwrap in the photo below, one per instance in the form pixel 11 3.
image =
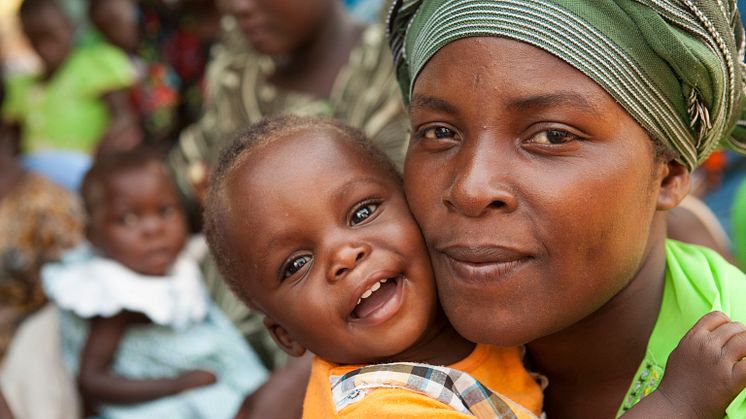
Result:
pixel 674 65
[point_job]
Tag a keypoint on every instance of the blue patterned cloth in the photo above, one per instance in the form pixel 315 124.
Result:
pixel 152 352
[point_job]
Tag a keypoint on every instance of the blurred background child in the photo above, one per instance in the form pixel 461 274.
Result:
pixel 138 328
pixel 78 105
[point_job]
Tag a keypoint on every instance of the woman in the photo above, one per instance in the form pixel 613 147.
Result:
pixel 549 138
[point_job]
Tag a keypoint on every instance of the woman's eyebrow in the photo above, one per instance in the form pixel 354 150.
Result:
pixel 430 103
pixel 551 100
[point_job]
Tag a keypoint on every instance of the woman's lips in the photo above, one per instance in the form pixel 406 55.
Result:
pixel 484 263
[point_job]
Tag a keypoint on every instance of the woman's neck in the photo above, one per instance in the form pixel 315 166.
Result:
pixel 440 345
pixel 314 67
pixel 593 362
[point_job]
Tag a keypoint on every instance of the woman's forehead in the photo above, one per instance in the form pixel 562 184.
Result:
pixel 520 75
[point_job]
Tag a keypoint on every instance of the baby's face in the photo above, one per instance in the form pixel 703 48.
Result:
pixel 138 220
pixel 329 249
pixel 51 35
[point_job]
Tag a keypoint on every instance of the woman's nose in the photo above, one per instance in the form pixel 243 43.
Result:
pixel 481 184
pixel 345 259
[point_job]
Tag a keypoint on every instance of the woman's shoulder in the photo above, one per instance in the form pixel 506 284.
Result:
pixel 699 280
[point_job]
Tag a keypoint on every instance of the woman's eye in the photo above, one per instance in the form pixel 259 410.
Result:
pixel 437 133
pixel 553 137
pixel 295 265
pixel 362 213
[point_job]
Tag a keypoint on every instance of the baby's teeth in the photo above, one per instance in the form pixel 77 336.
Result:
pixel 375 286
pixel 367 293
pixel 359 300
pixel 383 281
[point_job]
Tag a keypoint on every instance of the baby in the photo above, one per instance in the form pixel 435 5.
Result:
pixel 137 326
pixel 309 224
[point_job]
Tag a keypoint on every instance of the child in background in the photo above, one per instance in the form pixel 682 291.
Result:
pixel 309 224
pixel 137 326
pixel 78 105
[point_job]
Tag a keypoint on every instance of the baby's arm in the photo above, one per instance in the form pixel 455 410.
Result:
pixel 5 412
pixel 97 382
pixel 703 374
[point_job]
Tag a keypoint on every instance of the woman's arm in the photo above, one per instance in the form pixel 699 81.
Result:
pixel 98 384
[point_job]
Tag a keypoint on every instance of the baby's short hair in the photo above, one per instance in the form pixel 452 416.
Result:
pixel 110 165
pixel 256 137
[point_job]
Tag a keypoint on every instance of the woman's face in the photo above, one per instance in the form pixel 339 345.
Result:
pixel 534 189
pixel 277 26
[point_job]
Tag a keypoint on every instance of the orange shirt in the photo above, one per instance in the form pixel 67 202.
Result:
pixel 500 369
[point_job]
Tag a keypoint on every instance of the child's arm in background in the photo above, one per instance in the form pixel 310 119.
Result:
pixel 124 131
pixel 5 412
pixel 703 374
pixel 98 384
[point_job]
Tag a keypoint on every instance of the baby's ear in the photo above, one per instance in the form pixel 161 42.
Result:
pixel 283 338
pixel 674 185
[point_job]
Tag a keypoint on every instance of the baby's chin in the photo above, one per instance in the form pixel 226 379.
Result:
pixel 154 269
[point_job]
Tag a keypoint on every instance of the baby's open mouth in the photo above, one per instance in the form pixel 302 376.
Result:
pixel 375 297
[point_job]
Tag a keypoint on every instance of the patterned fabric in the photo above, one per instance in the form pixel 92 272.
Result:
pixel 498 369
pixel 38 220
pixel 152 352
pixel 698 281
pixel 174 46
pixel 675 66
pixel 457 389
pixel 238 93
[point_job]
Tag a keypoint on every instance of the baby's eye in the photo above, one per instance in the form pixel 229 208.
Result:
pixel 553 137
pixel 128 219
pixel 295 265
pixel 363 212
pixel 167 210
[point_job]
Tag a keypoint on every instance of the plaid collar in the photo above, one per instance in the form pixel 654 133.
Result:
pixel 455 388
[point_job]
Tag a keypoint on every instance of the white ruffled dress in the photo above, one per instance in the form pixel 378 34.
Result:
pixel 187 332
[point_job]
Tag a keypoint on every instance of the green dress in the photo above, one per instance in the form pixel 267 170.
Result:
pixel 67 111
pixel 697 282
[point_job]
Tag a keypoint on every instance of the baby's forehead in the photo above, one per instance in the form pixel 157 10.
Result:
pixel 105 186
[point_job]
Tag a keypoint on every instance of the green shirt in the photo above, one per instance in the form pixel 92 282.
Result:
pixel 67 111
pixel 697 282
pixel 738 224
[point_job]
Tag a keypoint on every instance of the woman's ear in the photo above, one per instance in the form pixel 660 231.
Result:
pixel 283 338
pixel 674 185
